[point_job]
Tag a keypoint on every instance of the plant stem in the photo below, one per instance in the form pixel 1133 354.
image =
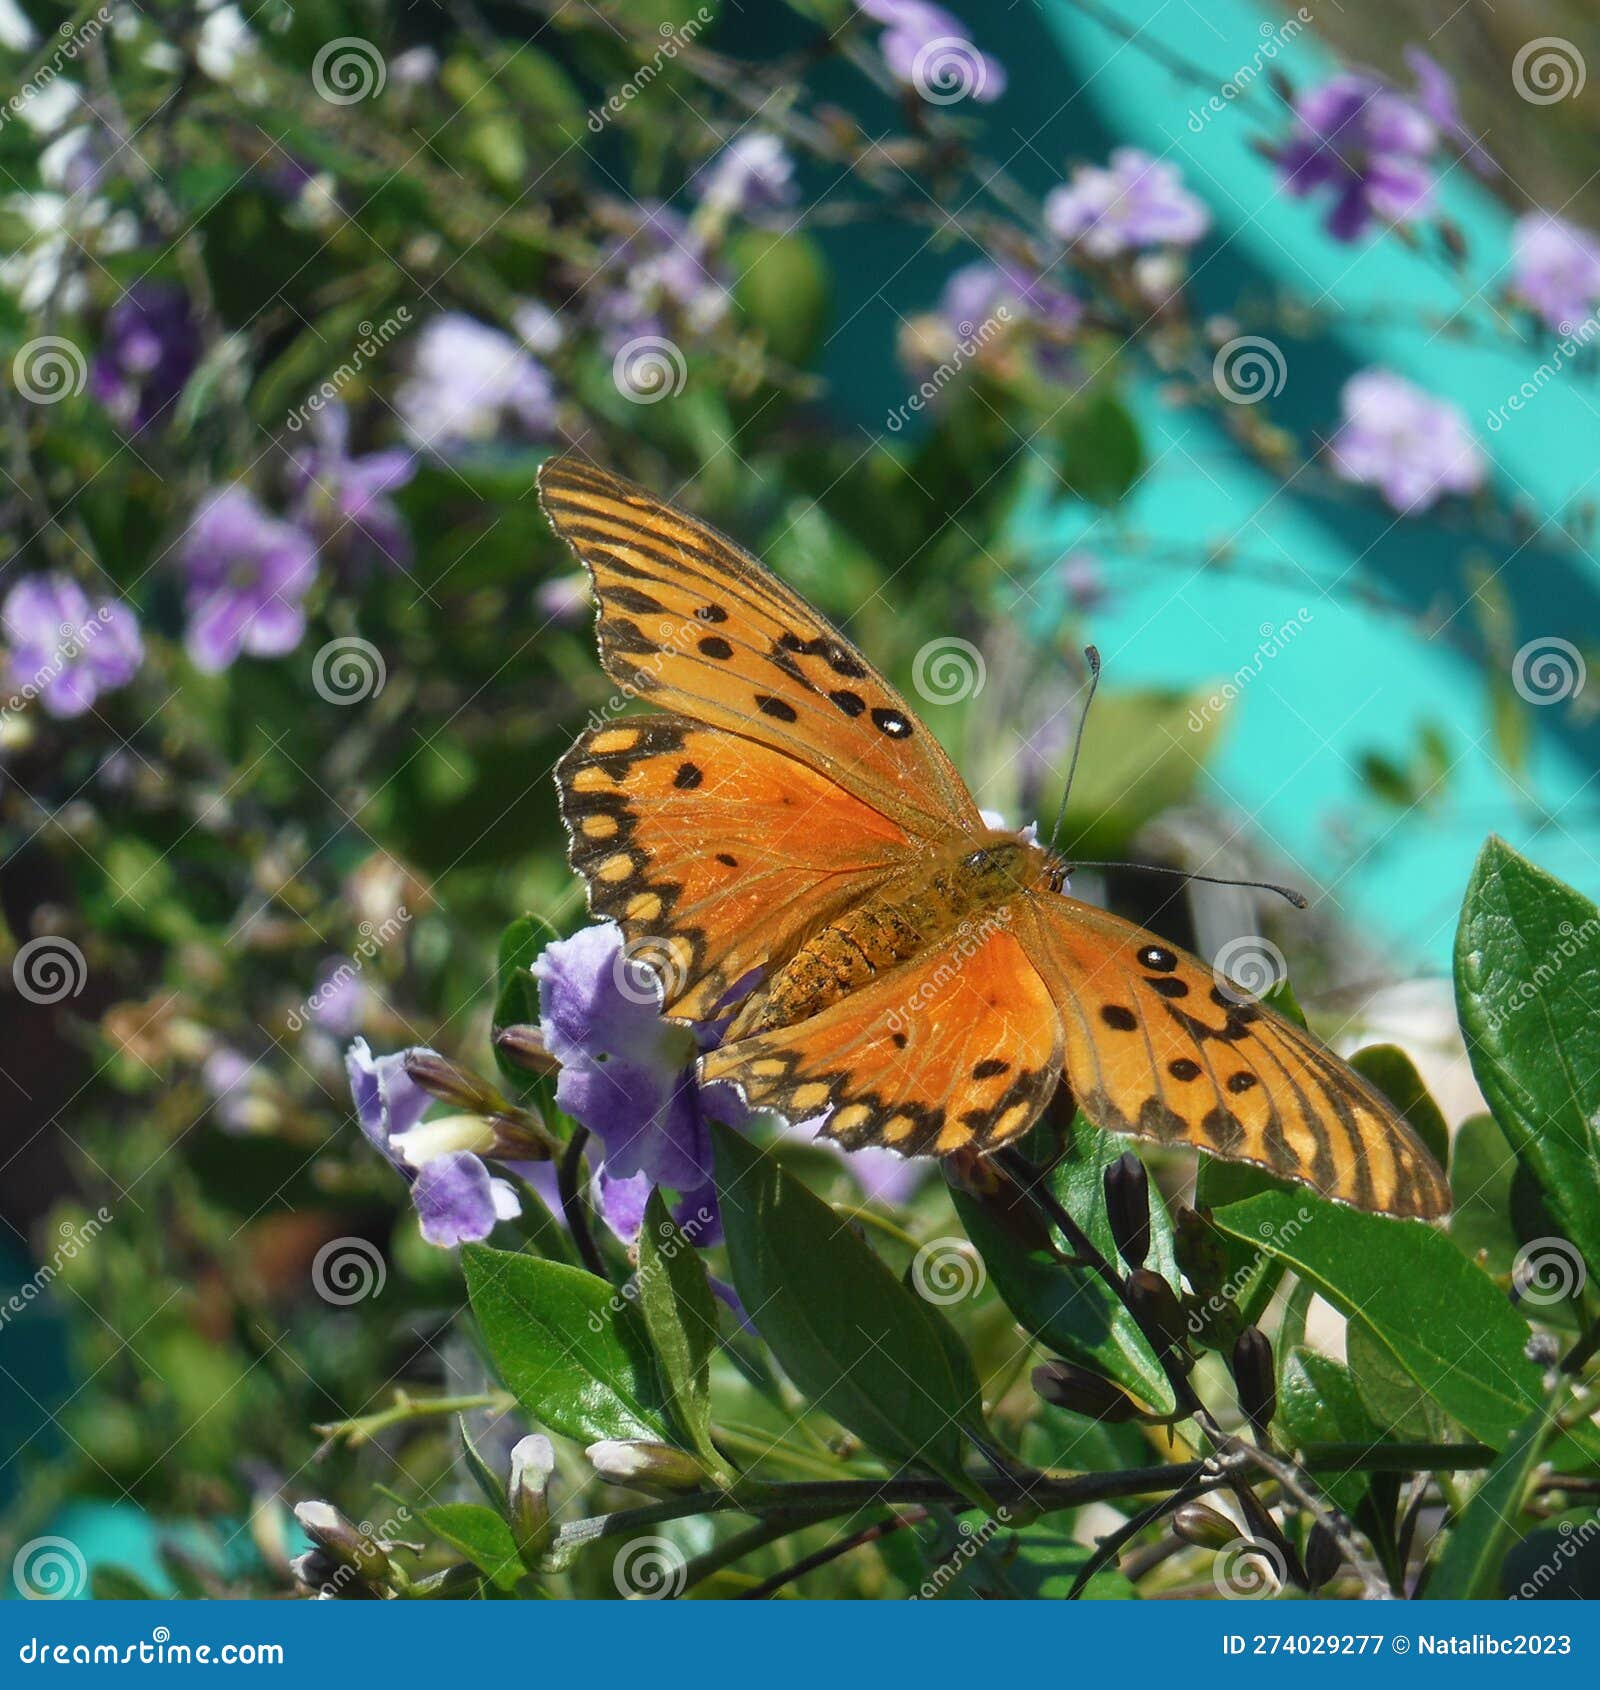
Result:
pixel 573 1206
pixel 365 1427
pixel 832 1551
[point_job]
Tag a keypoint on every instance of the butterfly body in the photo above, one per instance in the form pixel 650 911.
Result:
pixel 794 853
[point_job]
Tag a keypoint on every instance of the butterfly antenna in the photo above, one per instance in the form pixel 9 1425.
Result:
pixel 1298 899
pixel 1092 657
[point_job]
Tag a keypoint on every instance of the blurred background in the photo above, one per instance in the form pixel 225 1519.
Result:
pixel 1252 344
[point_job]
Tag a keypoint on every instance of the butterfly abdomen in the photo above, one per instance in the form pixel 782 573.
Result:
pixel 883 932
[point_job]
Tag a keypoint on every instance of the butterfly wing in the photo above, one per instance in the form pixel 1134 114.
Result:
pixel 691 623
pixel 958 1049
pixel 1158 1045
pixel 714 853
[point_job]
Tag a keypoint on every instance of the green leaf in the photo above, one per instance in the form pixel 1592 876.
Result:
pixel 782 287
pixel 1390 1395
pixel 1482 1170
pixel 1318 1404
pixel 479 1534
pixel 675 1299
pixel 1527 978
pixel 572 1353
pixel 1396 1076
pixel 1408 1286
pixel 844 1329
pixel 1479 1540
pixel 1067 1308
pixel 962 1369
pixel 1098 449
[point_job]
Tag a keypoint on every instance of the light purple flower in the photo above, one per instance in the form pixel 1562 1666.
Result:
pixel 1133 203
pixel 469 381
pixel 1436 97
pixel 248 573
pixel 1557 268
pixel 928 49
pixel 752 173
pixel 1369 145
pixel 565 599
pixel 1409 445
pixel 458 1201
pixel 64 650
pixel 149 349
pixel 974 295
pixel 339 1001
pixel 655 276
pixel 226 1073
pixel 346 499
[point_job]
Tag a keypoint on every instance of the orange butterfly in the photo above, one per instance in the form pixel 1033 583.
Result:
pixel 789 844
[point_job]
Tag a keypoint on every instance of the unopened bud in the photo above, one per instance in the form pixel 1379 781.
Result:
pixel 1075 1388
pixel 1204 1527
pixel 345 1543
pixel 1155 1305
pixel 1323 1557
pixel 528 1494
pixel 523 1044
pixel 1256 1378
pixel 326 1579
pixel 451 1083
pixel 1128 1207
pixel 646 1466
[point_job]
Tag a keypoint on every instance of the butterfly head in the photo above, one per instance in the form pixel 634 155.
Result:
pixel 1013 862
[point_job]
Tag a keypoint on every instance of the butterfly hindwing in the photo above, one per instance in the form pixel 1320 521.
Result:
pixel 1158 1045
pixel 959 1049
pixel 713 852
pixel 691 623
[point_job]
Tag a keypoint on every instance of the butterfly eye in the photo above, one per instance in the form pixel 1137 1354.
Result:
pixel 975 862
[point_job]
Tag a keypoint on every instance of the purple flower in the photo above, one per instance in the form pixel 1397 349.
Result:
pixel 752 173
pixel 928 49
pixel 339 1002
pixel 1557 269
pixel 565 599
pixel 457 1199
pixel 149 350
pixel 1366 143
pixel 340 495
pixel 467 382
pixel 1436 96
pixel 248 572
pixel 1135 202
pixel 975 294
pixel 63 649
pixel 656 274
pixel 1409 445
pixel 1080 575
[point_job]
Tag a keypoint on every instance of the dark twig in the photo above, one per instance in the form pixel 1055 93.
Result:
pixel 832 1551
pixel 573 1206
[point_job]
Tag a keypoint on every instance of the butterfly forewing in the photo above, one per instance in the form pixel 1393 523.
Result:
pixel 1159 1045
pixel 691 623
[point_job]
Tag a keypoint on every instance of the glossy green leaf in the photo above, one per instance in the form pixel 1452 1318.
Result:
pixel 1480 1539
pixel 1443 1322
pixel 479 1534
pixel 1390 1395
pixel 569 1349
pixel 1527 980
pixel 1318 1404
pixel 1396 1076
pixel 1482 1166
pixel 844 1329
pixel 676 1302
pixel 1067 1308
pixel 1098 450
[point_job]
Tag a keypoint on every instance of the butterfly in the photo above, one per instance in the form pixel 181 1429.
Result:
pixel 792 852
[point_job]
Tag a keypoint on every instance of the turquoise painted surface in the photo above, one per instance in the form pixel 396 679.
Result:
pixel 1355 680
